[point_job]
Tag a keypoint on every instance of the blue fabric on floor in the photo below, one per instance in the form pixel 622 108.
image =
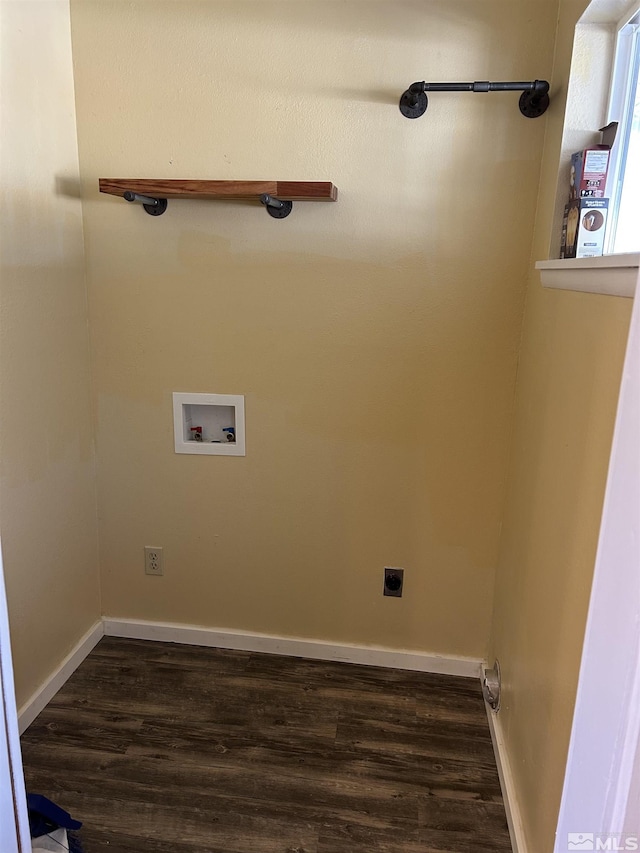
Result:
pixel 45 816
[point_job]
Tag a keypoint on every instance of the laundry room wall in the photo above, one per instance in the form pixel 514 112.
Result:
pixel 375 339
pixel 47 485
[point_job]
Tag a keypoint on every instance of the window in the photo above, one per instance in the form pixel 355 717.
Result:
pixel 624 107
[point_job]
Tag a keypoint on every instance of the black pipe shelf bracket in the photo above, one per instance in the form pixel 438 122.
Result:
pixel 157 206
pixel 153 206
pixel 534 99
pixel 276 208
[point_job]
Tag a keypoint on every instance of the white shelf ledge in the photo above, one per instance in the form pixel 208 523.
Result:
pixel 613 275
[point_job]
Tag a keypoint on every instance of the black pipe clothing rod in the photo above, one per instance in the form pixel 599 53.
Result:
pixel 540 87
pixel 533 101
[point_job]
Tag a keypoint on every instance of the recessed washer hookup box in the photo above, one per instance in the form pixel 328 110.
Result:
pixel 584 227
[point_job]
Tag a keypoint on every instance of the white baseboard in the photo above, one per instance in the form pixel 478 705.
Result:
pixel 511 807
pixel 241 641
pixel 292 646
pixel 48 689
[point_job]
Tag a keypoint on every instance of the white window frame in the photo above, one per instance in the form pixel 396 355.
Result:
pixel 624 80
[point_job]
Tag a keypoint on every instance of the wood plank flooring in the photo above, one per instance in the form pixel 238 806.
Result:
pixel 161 748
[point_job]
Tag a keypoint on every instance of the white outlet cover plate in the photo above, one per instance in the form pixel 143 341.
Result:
pixel 182 408
pixel 152 567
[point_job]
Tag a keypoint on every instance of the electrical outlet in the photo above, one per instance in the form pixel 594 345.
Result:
pixel 153 560
pixel 393 582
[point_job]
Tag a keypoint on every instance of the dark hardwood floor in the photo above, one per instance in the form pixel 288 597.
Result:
pixel 161 748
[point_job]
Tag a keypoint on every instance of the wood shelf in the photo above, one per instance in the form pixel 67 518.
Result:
pixel 221 190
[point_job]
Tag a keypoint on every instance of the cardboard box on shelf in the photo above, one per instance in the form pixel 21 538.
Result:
pixel 589 167
pixel 583 228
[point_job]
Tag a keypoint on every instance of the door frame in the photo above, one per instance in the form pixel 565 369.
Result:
pixel 602 778
pixel 14 825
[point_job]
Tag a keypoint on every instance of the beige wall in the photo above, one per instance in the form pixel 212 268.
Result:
pixel 568 380
pixel 48 514
pixel 375 339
